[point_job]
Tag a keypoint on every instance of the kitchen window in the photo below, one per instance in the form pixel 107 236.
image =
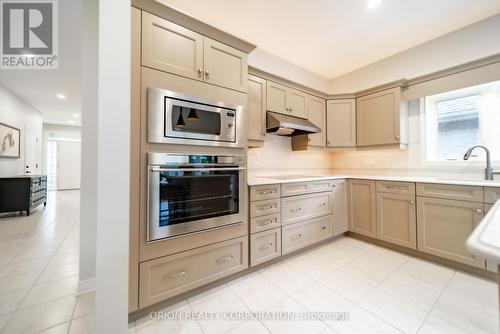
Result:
pixel 459 119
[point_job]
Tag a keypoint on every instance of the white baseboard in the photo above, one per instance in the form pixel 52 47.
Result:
pixel 86 286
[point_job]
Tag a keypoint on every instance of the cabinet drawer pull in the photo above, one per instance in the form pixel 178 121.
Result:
pixel 266 223
pixel 266 208
pixel 175 275
pixel 297 236
pixel 266 192
pixel 295 210
pixel 322 228
pixel 266 246
pixel 224 259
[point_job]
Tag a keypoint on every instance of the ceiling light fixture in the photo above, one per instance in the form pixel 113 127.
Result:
pixel 61 96
pixel 180 122
pixel 193 116
pixel 372 4
pixel 76 115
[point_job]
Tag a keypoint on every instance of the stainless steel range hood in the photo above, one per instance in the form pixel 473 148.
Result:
pixel 284 125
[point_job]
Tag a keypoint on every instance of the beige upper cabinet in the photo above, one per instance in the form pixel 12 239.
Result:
pixel 444 225
pixel 286 100
pixel 225 66
pixel 396 221
pixel 169 47
pixel 340 224
pixel 341 123
pixel 379 117
pixel 316 113
pixel 256 115
pixel 297 103
pixel 362 207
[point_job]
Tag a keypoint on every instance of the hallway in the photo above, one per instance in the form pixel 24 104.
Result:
pixel 39 270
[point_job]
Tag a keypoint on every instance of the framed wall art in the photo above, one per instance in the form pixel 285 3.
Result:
pixel 10 138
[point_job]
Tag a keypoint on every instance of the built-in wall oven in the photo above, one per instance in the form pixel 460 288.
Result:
pixel 175 118
pixel 194 192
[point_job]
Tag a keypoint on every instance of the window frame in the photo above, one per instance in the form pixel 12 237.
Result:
pixel 428 130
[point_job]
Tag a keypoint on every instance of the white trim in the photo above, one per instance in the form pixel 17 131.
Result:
pixel 86 286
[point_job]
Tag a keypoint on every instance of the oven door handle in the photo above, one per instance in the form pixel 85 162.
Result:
pixel 196 169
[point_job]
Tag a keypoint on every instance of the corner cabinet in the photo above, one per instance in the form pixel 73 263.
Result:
pixel 195 56
pixel 316 113
pixel 382 119
pixel 341 123
pixel 362 207
pixel 256 111
pixel 286 100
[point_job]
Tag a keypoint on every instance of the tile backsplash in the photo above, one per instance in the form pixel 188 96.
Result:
pixel 277 157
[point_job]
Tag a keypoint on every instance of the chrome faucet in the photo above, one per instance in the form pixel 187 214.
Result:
pixel 488 171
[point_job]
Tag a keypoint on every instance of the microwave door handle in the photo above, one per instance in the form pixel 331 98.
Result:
pixel 196 169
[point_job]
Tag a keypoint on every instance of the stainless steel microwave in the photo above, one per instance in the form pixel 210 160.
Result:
pixel 174 118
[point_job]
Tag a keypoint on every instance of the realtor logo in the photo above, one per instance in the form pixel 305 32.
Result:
pixel 29 37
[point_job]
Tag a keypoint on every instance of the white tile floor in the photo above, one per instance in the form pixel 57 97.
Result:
pixel 383 291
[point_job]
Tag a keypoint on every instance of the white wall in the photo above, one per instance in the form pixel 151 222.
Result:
pixel 473 42
pixel 277 157
pixel 19 114
pixel 282 68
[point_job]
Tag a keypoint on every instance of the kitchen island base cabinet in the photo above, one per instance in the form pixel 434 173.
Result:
pixel 362 207
pixel 172 275
pixel 444 225
pixel 396 221
pixel 300 235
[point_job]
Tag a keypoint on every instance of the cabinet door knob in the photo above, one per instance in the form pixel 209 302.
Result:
pixel 397 137
pixel 412 202
pixel 479 211
pixel 207 72
pixel 200 71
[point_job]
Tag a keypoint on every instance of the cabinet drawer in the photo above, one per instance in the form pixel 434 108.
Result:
pixel 491 195
pixel 265 246
pixel 299 208
pixel 258 193
pixel 169 276
pixel 264 223
pixel 300 188
pixel 462 193
pixel 261 208
pixel 405 188
pixel 303 234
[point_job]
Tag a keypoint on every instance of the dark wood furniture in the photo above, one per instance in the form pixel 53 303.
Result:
pixel 22 193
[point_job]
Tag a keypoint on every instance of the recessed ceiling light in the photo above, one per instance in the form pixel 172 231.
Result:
pixel 71 122
pixel 76 115
pixel 61 96
pixel 372 4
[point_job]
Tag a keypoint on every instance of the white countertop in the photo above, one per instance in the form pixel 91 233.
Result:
pixel 485 240
pixel 263 180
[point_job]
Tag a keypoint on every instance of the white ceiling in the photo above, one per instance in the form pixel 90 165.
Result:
pixel 334 37
pixel 40 87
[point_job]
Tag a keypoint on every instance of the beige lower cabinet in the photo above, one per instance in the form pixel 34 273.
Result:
pixel 306 233
pixel 396 221
pixel 299 208
pixel 339 206
pixel 265 246
pixel 362 207
pixel 169 276
pixel 444 225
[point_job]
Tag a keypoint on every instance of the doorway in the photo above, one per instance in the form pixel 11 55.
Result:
pixel 30 152
pixel 63 165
